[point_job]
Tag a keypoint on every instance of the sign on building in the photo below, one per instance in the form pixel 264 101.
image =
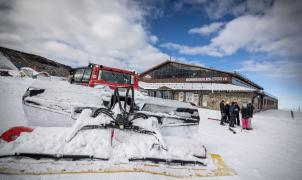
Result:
pixel 207 79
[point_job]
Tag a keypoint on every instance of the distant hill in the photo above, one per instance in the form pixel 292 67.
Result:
pixel 22 59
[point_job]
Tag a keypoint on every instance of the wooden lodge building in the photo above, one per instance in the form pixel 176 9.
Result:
pixel 205 87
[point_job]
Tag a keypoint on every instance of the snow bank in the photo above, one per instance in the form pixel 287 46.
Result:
pixel 6 64
pixel 272 150
pixel 11 110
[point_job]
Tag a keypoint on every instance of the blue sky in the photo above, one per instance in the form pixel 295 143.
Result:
pixel 174 25
pixel 259 38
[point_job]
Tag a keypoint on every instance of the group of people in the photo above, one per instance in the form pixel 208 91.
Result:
pixel 230 114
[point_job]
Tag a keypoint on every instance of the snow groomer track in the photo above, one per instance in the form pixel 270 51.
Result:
pixel 27 166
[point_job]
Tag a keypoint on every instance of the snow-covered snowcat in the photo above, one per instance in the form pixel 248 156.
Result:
pixel 103 129
pixel 64 103
pixel 123 132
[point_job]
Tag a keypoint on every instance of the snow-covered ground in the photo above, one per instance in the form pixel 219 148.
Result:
pixel 11 110
pixel 272 150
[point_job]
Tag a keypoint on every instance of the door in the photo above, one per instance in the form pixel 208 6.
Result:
pixel 181 96
pixel 158 94
pixel 205 99
pixel 196 99
pixel 189 97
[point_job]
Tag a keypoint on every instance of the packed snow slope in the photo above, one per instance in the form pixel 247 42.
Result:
pixel 272 150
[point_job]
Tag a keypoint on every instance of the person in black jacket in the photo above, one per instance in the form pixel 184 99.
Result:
pixel 245 114
pixel 232 114
pixel 222 111
pixel 237 109
pixel 251 113
pixel 251 109
pixel 227 112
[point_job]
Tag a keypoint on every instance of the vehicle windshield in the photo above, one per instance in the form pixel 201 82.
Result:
pixel 82 75
pixel 115 77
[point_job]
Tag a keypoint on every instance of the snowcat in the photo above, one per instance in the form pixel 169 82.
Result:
pixel 63 103
pixel 95 74
pixel 73 130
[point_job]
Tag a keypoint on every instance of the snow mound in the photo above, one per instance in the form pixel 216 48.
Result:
pixel 6 63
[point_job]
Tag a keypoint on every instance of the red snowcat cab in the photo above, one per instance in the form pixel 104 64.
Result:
pixel 95 74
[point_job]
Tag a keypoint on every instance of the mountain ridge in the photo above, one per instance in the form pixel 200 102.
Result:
pixel 39 63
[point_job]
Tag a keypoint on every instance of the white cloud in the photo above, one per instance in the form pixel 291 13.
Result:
pixel 199 50
pixel 185 60
pixel 153 39
pixel 274 68
pixel 206 29
pixel 75 32
pixel 217 9
pixel 278 31
pixel 285 79
pixel 196 62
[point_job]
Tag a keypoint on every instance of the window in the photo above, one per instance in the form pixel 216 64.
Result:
pixel 152 93
pixel 158 94
pixel 86 76
pixel 189 97
pixel 78 75
pixel 196 99
pixel 115 77
pixel 174 70
pixel 167 94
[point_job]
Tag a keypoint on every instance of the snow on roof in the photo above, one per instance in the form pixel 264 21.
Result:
pixel 268 94
pixel 195 86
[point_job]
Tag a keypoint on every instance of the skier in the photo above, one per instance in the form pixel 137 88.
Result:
pixel 245 114
pixel 227 112
pixel 251 112
pixel 222 111
pixel 292 113
pixel 232 114
pixel 237 109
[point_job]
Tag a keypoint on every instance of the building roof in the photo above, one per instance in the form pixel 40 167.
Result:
pixel 234 74
pixel 194 86
pixel 269 95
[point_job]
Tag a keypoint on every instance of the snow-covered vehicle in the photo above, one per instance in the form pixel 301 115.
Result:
pixel 103 143
pixel 57 103
pixel 128 130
